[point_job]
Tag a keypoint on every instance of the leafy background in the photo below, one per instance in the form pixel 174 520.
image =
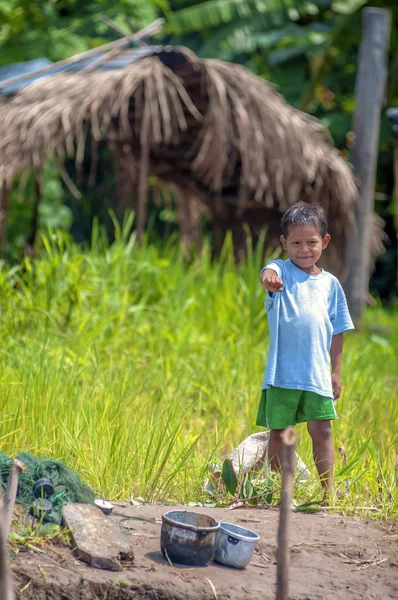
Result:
pixel 309 50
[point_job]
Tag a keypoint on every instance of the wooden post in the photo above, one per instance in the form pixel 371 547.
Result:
pixel 189 212
pixel 37 192
pixel 4 194
pixel 369 97
pixel 126 172
pixel 6 586
pixel 142 203
pixel 11 493
pixel 288 460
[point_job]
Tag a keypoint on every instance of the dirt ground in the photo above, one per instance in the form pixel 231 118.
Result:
pixel 332 557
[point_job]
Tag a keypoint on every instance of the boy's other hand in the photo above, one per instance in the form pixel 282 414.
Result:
pixel 336 385
pixel 271 282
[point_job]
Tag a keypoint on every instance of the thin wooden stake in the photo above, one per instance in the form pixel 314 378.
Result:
pixel 143 177
pixel 4 196
pixel 11 493
pixel 6 586
pixel 37 194
pixel 288 461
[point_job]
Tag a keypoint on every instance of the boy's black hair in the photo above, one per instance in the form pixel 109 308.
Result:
pixel 305 214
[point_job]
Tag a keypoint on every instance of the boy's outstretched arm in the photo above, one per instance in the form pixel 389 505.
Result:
pixel 270 281
pixel 336 355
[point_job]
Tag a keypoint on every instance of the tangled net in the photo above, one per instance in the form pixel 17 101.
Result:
pixel 68 485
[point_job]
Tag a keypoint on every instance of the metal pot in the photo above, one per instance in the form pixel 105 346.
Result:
pixel 235 545
pixel 188 538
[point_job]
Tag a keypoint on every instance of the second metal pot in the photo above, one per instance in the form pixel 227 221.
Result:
pixel 235 545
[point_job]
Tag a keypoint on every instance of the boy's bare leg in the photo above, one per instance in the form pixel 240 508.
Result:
pixel 275 448
pixel 323 452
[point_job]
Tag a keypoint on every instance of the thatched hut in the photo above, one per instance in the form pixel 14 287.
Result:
pixel 222 137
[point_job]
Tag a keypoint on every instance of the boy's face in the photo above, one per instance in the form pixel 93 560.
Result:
pixel 304 245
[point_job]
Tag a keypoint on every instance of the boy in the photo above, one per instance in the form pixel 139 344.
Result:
pixel 307 316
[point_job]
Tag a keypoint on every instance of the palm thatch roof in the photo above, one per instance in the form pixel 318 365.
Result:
pixel 214 125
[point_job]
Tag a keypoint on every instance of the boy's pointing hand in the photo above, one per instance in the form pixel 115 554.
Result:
pixel 275 284
pixel 271 282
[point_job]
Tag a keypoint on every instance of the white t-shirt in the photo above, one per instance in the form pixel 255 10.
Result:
pixel 302 320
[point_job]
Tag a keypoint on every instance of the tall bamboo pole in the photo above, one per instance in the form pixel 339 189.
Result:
pixel 288 461
pixel 6 586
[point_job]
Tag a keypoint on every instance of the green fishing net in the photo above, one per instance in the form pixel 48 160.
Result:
pixel 68 485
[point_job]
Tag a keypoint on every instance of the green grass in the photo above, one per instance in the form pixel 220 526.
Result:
pixel 138 369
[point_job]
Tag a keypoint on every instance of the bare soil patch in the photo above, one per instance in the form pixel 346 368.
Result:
pixel 333 557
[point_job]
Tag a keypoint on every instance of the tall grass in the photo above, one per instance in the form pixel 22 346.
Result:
pixel 138 369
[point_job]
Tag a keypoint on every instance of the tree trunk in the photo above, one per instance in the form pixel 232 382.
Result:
pixel 370 90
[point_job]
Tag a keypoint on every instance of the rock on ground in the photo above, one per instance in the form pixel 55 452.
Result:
pixel 99 540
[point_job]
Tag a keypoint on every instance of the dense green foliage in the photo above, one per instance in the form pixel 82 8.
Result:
pixel 309 50
pixel 57 29
pixel 138 369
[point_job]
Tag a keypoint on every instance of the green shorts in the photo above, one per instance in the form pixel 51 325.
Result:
pixel 280 407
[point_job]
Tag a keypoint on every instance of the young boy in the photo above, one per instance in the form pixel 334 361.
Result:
pixel 307 316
